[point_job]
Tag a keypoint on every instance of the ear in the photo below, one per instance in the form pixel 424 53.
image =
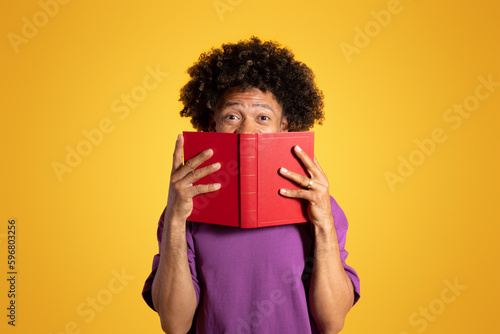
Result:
pixel 284 124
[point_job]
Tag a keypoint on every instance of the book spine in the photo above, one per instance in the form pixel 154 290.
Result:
pixel 248 180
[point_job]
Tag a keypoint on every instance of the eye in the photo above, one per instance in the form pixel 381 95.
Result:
pixel 264 118
pixel 231 118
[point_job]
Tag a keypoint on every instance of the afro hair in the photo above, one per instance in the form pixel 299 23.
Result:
pixel 248 64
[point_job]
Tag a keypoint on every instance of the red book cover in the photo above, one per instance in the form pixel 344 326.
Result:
pixel 249 176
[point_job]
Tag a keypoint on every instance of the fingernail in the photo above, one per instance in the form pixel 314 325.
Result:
pixel 208 152
pixel 216 165
pixel 284 170
pixel 178 137
pixel 216 186
pixel 282 191
pixel 298 148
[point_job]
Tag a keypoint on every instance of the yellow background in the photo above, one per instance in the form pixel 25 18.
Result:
pixel 441 223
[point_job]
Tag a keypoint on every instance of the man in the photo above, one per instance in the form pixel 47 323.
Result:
pixel 281 279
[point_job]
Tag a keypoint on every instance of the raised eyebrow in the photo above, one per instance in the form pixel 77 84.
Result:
pixel 263 105
pixel 234 103
pixel 231 103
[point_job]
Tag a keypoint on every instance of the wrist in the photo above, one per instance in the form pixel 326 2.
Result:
pixel 325 230
pixel 172 218
pixel 174 226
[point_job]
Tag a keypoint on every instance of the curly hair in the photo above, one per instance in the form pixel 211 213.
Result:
pixel 248 64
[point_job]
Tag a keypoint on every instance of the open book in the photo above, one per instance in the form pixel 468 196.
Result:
pixel 249 177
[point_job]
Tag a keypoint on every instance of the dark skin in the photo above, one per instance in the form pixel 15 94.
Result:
pixel 252 111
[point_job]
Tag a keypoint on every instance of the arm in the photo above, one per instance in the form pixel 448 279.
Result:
pixel 331 294
pixel 173 293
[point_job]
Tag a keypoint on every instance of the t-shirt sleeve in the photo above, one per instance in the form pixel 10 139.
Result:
pixel 148 285
pixel 341 226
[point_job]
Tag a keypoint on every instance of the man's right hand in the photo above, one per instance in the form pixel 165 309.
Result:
pixel 173 292
pixel 181 190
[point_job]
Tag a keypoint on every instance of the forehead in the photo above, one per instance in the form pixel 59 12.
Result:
pixel 250 97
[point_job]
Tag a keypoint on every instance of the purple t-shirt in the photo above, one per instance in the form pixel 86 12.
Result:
pixel 253 280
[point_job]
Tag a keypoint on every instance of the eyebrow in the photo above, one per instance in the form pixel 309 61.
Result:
pixel 233 103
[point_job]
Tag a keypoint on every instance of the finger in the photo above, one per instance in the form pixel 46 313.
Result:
pixel 300 179
pixel 191 164
pixel 199 173
pixel 202 189
pixel 306 160
pixel 297 193
pixel 177 159
pixel 317 197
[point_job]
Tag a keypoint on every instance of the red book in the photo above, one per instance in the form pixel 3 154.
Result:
pixel 249 177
